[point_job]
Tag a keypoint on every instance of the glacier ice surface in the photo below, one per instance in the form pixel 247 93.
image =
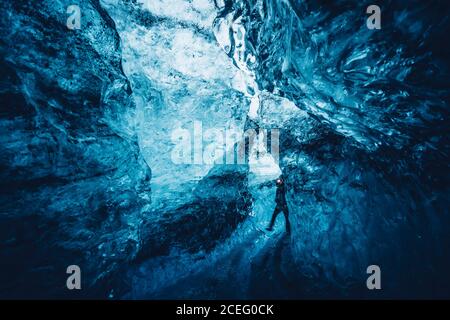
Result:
pixel 87 176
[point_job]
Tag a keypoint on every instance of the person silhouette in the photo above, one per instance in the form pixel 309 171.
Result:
pixel 281 206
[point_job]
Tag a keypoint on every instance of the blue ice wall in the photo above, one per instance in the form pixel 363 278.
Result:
pixel 88 178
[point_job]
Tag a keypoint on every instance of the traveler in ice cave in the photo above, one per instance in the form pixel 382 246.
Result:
pixel 280 199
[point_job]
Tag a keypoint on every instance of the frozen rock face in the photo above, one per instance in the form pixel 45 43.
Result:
pixel 96 169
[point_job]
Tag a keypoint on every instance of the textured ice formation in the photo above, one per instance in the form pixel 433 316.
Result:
pixel 88 119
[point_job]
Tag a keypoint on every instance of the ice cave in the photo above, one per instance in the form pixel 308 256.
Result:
pixel 359 121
